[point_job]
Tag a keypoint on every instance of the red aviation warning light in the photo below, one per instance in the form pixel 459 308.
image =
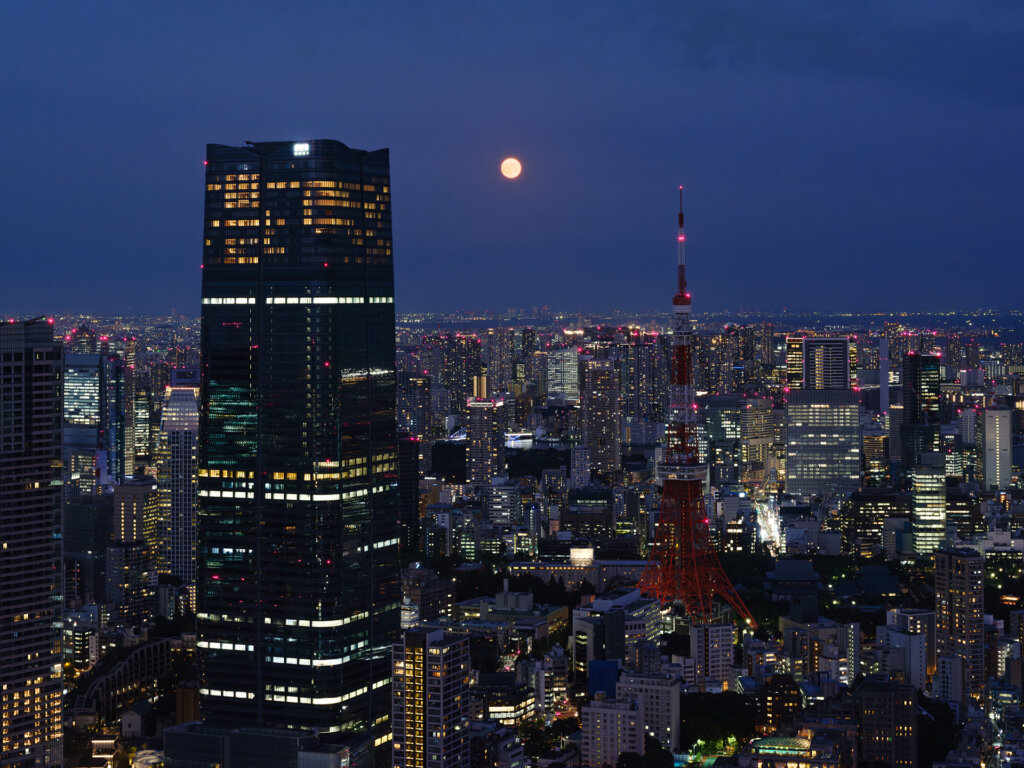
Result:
pixel 683 566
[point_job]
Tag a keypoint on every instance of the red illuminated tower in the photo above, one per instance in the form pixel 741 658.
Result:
pixel 683 565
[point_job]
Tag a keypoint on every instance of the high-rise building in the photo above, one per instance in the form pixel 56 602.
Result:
pixel 887 723
pixel 994 449
pixel 959 613
pixel 601 414
pixel 563 372
pixel 659 697
pixel 755 438
pixel 826 363
pixel 409 497
pixel 876 458
pixel 30 545
pixel 499 343
pixel 919 428
pixel 430 700
pixel 456 361
pixel 93 438
pixel 916 621
pixel 177 447
pixel 644 374
pixel 609 729
pixel 414 411
pixel 135 551
pixel 823 442
pixel 928 502
pixel 579 471
pixel 711 646
pixel 485 437
pixel 137 512
pixel 795 362
pixel 298 592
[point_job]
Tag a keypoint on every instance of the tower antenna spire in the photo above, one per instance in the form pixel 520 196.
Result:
pixel 683 566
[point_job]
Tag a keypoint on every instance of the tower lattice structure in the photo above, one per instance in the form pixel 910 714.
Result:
pixel 683 565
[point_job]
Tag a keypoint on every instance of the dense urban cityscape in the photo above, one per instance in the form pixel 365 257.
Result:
pixel 456 553
pixel 437 486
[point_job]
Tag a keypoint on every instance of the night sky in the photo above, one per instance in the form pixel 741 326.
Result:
pixel 854 156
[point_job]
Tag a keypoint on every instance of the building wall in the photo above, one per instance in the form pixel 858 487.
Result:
pixel 30 557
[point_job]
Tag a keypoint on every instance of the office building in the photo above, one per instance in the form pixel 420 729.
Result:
pixel 876 458
pixel 409 497
pixel 928 502
pixel 755 438
pixel 30 545
pixel 795 362
pixel 485 438
pixel 94 428
pixel 600 414
pixel 712 647
pixel 994 447
pixel 887 723
pixel 177 447
pixel 562 371
pixel 504 502
pixel 430 700
pixel 916 621
pixel 298 591
pixel 579 471
pixel 134 553
pixel 613 626
pixel 823 443
pixel 659 698
pixel 959 613
pixel 919 427
pixel 826 363
pixel 609 729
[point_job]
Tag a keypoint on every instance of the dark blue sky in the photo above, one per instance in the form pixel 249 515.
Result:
pixel 856 155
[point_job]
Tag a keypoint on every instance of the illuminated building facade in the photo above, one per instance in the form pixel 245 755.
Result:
pixel 177 448
pixel 959 613
pixel 601 414
pixel 430 700
pixel 712 647
pixel 298 592
pixel 414 411
pixel 919 427
pixel 823 442
pixel 609 729
pixel 133 554
pixel 928 502
pixel 876 458
pixel 563 372
pixel 485 435
pixel 826 363
pixel 94 423
pixel 795 362
pixel 755 438
pixel 30 545
pixel 994 446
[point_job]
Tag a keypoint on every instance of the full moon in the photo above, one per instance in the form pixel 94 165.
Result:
pixel 511 168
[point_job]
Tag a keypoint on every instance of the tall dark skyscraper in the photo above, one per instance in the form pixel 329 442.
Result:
pixel 298 584
pixel 919 430
pixel 31 366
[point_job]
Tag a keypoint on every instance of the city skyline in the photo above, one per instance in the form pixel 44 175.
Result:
pixel 359 409
pixel 808 148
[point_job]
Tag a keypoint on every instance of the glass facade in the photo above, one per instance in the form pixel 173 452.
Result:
pixel 823 443
pixel 298 590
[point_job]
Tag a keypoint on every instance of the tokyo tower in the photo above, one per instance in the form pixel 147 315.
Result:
pixel 683 565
